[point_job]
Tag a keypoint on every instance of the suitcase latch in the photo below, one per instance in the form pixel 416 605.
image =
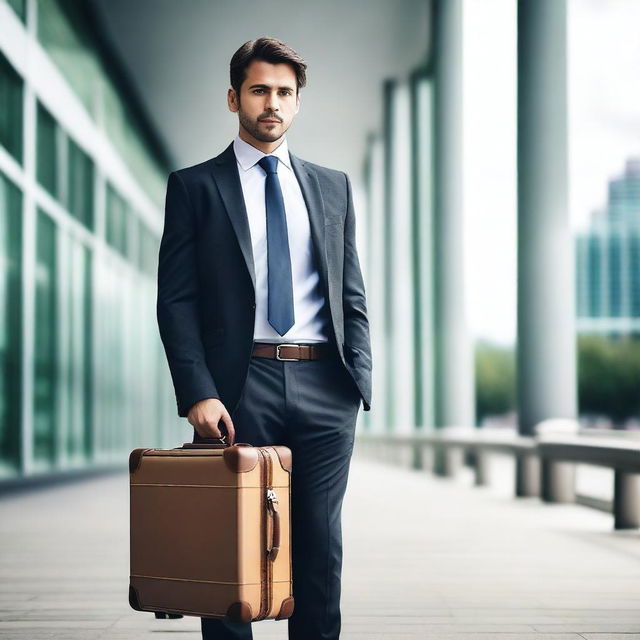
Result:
pixel 271 496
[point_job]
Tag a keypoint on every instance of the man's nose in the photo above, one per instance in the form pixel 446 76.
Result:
pixel 272 102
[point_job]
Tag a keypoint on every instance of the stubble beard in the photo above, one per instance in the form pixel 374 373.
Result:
pixel 254 128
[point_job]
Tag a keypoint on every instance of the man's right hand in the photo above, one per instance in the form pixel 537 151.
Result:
pixel 205 416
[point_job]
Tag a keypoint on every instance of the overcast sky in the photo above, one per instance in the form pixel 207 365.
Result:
pixel 604 130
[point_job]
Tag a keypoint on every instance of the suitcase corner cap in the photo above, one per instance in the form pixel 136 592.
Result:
pixel 285 456
pixel 134 601
pixel 240 612
pixel 240 459
pixel 135 457
pixel 286 608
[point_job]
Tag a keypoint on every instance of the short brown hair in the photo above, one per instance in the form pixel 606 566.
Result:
pixel 270 50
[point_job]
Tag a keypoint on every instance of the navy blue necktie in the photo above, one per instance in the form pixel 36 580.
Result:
pixel 280 283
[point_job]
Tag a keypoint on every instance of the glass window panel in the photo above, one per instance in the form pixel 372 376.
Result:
pixel 149 246
pixel 116 220
pixel 78 356
pixel 132 229
pixel 45 352
pixel 10 109
pixel 10 325
pixel 594 269
pixel 80 185
pixel 615 275
pixel 46 151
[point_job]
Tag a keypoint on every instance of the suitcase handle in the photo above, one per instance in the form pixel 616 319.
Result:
pixel 212 443
pixel 203 445
pixel 275 537
pixel 206 443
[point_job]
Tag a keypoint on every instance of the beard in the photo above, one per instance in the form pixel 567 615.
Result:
pixel 254 128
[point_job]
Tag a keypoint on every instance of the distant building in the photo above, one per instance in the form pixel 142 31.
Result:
pixel 608 261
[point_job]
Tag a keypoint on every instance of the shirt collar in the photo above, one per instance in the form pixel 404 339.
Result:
pixel 247 155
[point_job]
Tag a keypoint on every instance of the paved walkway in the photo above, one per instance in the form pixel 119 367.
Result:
pixel 425 558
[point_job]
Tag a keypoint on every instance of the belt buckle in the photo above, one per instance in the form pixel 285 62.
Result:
pixel 284 344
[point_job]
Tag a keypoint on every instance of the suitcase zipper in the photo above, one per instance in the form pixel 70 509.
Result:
pixel 266 572
pixel 269 493
pixel 268 552
pixel 270 496
pixel 263 556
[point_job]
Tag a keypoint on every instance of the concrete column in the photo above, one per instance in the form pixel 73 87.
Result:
pixel 423 243
pixel 401 367
pixel 546 315
pixel 527 482
pixel 626 500
pixel 454 461
pixel 481 467
pixel 454 392
pixel 557 480
pixel 386 258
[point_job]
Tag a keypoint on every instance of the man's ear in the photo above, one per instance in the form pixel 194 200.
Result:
pixel 297 102
pixel 232 100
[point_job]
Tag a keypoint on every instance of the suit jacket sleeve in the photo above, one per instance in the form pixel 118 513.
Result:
pixel 356 323
pixel 178 299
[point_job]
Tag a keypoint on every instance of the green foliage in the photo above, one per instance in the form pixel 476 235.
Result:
pixel 495 380
pixel 609 376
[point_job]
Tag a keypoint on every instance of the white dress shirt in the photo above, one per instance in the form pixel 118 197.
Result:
pixel 312 323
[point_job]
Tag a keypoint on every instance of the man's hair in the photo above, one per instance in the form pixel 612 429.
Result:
pixel 270 50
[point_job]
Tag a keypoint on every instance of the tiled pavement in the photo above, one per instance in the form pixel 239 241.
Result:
pixel 424 558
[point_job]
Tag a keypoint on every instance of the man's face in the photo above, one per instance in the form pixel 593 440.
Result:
pixel 268 100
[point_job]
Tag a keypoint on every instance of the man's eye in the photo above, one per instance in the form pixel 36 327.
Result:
pixel 283 92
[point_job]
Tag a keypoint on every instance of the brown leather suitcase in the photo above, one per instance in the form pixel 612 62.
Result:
pixel 210 531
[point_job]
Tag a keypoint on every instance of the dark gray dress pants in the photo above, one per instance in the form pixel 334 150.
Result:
pixel 311 407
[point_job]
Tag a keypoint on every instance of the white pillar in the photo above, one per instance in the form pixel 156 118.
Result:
pixel 401 367
pixel 376 281
pixel 423 175
pixel 454 376
pixel 546 292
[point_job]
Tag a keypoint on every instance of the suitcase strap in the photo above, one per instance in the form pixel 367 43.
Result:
pixel 272 508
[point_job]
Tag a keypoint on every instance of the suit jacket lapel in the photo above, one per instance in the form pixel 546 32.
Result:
pixel 225 172
pixel 310 187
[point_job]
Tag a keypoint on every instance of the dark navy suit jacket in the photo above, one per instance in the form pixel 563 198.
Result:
pixel 206 278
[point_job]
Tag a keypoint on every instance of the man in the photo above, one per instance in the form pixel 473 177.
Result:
pixel 262 313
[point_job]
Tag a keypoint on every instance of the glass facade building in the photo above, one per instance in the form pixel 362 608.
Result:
pixel 608 261
pixel 83 378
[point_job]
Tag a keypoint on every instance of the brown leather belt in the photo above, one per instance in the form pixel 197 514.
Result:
pixel 289 351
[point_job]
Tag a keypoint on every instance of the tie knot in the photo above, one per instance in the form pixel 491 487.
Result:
pixel 269 164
